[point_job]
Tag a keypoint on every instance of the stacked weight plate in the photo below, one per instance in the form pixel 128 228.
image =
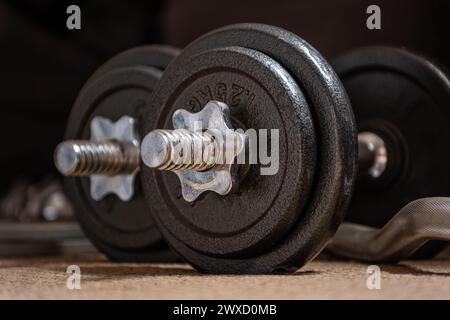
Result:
pixel 123 230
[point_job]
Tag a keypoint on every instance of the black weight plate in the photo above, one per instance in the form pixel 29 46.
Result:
pixel 265 207
pixel 321 213
pixel 405 99
pixel 124 231
pixel 155 56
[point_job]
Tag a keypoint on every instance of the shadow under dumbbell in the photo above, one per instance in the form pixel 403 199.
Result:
pixel 411 270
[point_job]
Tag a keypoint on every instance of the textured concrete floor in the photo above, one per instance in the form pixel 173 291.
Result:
pixel 45 278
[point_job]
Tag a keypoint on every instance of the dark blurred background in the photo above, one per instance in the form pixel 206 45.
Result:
pixel 43 64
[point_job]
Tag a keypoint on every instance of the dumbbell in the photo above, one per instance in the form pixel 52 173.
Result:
pixel 260 77
pixel 403 100
pixel 100 155
pixel 268 78
pixel 264 77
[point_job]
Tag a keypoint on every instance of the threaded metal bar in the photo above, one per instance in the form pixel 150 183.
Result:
pixel 180 150
pixel 86 158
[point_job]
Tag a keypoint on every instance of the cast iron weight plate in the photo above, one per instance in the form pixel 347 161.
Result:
pixel 405 99
pixel 265 206
pixel 124 231
pixel 314 210
pixel 155 56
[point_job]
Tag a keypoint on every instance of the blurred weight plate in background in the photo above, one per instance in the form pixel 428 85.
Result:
pixel 37 219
